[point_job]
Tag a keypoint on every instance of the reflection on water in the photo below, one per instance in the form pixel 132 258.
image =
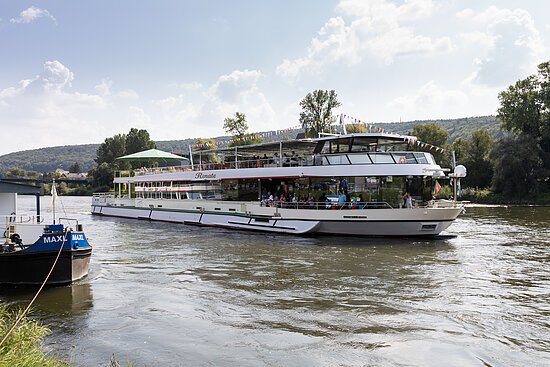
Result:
pixel 68 300
pixel 173 295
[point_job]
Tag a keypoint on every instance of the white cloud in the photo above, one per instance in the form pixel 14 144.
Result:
pixel 427 97
pixel 104 88
pixel 138 118
pixel 56 75
pixel 127 94
pixel 431 100
pixel 200 112
pixel 31 14
pixel 186 85
pixel 50 114
pixel 239 91
pixel 511 41
pixel 380 30
pixel 15 91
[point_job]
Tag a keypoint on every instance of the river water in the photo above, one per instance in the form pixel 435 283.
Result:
pixel 161 294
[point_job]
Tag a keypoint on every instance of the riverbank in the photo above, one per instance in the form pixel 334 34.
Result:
pixel 488 197
pixel 24 347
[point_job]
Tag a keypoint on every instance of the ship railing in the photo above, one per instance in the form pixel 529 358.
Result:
pixel 326 205
pixel 104 195
pixel 255 163
pixel 70 221
pixel 348 158
pixel 21 219
pixel 13 223
pixel 332 205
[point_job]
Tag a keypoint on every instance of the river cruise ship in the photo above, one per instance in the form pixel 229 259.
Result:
pixel 364 184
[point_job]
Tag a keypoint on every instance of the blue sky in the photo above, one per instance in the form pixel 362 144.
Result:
pixel 74 72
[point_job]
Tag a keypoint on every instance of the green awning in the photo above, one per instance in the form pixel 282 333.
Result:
pixel 152 155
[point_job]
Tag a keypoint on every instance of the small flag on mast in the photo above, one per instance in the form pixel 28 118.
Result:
pixel 54 197
pixel 437 188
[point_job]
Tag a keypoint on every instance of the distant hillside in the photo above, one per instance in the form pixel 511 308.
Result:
pixel 49 159
pixel 457 128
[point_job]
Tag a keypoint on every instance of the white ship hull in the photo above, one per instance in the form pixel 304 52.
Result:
pixel 251 216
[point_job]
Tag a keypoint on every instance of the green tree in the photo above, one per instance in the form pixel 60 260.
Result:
pixel 207 144
pixel 435 135
pixel 356 128
pixel 477 159
pixel 101 177
pixel 518 166
pixel 114 147
pixel 75 168
pixel 525 111
pixel 137 141
pixel 238 128
pixel 16 172
pixel 461 148
pixel 317 108
pixel 111 149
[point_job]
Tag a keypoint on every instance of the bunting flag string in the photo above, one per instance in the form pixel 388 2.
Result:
pixel 361 122
pixel 341 119
pixel 415 142
pixel 249 137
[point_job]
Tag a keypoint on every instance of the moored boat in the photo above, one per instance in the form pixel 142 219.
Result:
pixel 365 184
pixel 30 264
pixel 29 249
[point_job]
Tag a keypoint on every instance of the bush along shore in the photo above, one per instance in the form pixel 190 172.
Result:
pixel 486 196
pixel 24 347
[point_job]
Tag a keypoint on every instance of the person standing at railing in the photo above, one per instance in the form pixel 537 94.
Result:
pixel 341 200
pixel 276 159
pixel 293 159
pixel 283 200
pixel 408 200
pixel 310 202
pixel 294 201
pixel 258 162
pixel 322 201
pixel 343 186
pixel 400 199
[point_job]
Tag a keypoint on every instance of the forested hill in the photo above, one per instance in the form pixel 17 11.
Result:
pixel 49 159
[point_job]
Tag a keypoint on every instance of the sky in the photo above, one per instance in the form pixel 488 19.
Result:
pixel 77 72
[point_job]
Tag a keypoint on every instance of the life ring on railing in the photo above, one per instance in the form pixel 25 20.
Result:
pixel 402 159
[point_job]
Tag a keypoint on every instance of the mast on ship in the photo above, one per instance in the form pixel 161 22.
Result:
pixel 54 197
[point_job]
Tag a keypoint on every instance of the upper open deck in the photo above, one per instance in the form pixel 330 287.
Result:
pixel 351 149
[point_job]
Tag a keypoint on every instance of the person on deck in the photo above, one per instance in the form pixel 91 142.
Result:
pixel 276 159
pixel 323 201
pixel 341 200
pixel 310 201
pixel 408 200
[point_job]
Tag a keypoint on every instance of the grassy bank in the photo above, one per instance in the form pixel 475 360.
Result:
pixel 24 346
pixel 486 196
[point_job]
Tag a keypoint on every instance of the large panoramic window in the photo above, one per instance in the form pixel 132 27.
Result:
pixel 359 159
pixel 381 158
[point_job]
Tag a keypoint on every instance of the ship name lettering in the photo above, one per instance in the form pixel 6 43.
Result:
pixel 201 175
pixel 53 239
